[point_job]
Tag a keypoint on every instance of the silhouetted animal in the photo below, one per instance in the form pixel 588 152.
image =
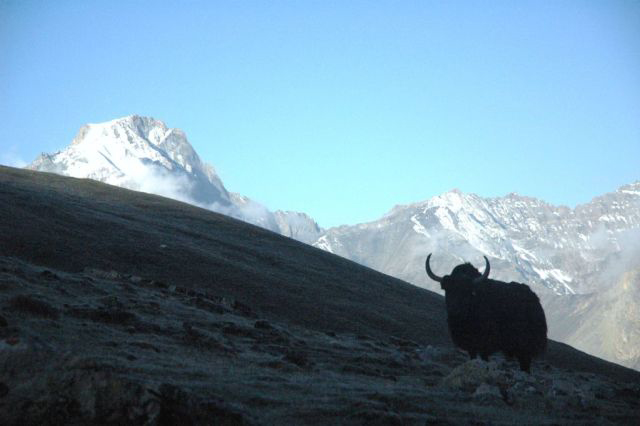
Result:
pixel 487 316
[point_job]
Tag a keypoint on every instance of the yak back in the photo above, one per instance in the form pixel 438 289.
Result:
pixel 494 316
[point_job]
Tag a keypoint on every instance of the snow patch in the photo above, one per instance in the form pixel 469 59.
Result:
pixel 323 244
pixel 557 275
pixel 418 227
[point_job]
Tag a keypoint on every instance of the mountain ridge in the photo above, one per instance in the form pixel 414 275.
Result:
pixel 144 154
pixel 560 252
pixel 200 235
pixel 556 249
pixel 121 306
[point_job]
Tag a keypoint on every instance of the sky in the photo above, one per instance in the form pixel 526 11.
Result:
pixel 342 109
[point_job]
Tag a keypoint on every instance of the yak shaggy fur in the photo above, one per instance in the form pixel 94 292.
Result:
pixel 493 316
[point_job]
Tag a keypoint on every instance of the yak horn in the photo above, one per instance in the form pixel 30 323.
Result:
pixel 431 274
pixel 485 274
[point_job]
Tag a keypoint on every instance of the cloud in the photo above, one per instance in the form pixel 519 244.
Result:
pixel 248 211
pixel 12 158
pixel 157 180
pixel 625 259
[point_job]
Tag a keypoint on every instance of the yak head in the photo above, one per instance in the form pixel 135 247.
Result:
pixel 462 278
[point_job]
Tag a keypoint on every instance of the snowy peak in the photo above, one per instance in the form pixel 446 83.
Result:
pixel 144 154
pixel 298 226
pixel 139 153
pixel 526 239
pixel 632 189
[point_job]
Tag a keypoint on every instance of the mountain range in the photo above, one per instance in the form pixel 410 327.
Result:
pixel 572 257
pixel 143 154
pixel 120 307
pixel 582 262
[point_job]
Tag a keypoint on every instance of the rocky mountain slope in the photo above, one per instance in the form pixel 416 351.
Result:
pixel 605 323
pixel 526 239
pixel 143 154
pixel 123 307
pixel 138 153
pixel 568 256
pixel 559 251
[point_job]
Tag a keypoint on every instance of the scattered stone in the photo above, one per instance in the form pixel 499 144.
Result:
pixel 587 399
pixel 487 394
pixel 49 275
pixel 236 330
pixel 99 273
pixel 206 305
pixel 145 345
pixel 561 388
pixel 263 325
pixel 234 305
pixel 402 342
pixel 629 392
pixel 4 390
pixel 158 284
pixel 31 305
pixel 376 417
pixel 259 363
pixel 128 288
pixel 298 358
pixel 180 407
pixel 110 302
pixel 440 354
pixel 472 374
pixel 114 316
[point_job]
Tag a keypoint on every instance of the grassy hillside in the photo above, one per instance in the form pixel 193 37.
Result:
pixel 107 292
pixel 71 224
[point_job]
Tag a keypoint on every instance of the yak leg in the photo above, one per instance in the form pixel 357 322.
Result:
pixel 525 363
pixel 473 354
pixel 484 356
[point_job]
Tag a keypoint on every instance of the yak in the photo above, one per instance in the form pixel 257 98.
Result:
pixel 486 316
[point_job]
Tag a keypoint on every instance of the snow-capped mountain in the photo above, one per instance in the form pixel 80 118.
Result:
pixel 139 153
pixel 582 262
pixel 604 323
pixel 526 239
pixel 572 258
pixel 298 226
pixel 143 154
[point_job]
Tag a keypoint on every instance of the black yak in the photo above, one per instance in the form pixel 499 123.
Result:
pixel 487 316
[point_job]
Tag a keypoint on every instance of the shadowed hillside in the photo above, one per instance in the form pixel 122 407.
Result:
pixel 72 224
pixel 129 306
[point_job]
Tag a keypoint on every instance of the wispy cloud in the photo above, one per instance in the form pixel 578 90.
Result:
pixel 624 259
pixel 157 180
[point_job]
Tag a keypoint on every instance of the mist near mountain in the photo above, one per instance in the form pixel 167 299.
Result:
pixel 573 258
pixel 143 154
pixel 559 251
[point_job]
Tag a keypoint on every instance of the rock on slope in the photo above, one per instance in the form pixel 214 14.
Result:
pixel 606 323
pixel 105 347
pixel 298 226
pixel 566 255
pixel 122 307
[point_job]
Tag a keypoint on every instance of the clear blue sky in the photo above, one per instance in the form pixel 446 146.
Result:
pixel 342 109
